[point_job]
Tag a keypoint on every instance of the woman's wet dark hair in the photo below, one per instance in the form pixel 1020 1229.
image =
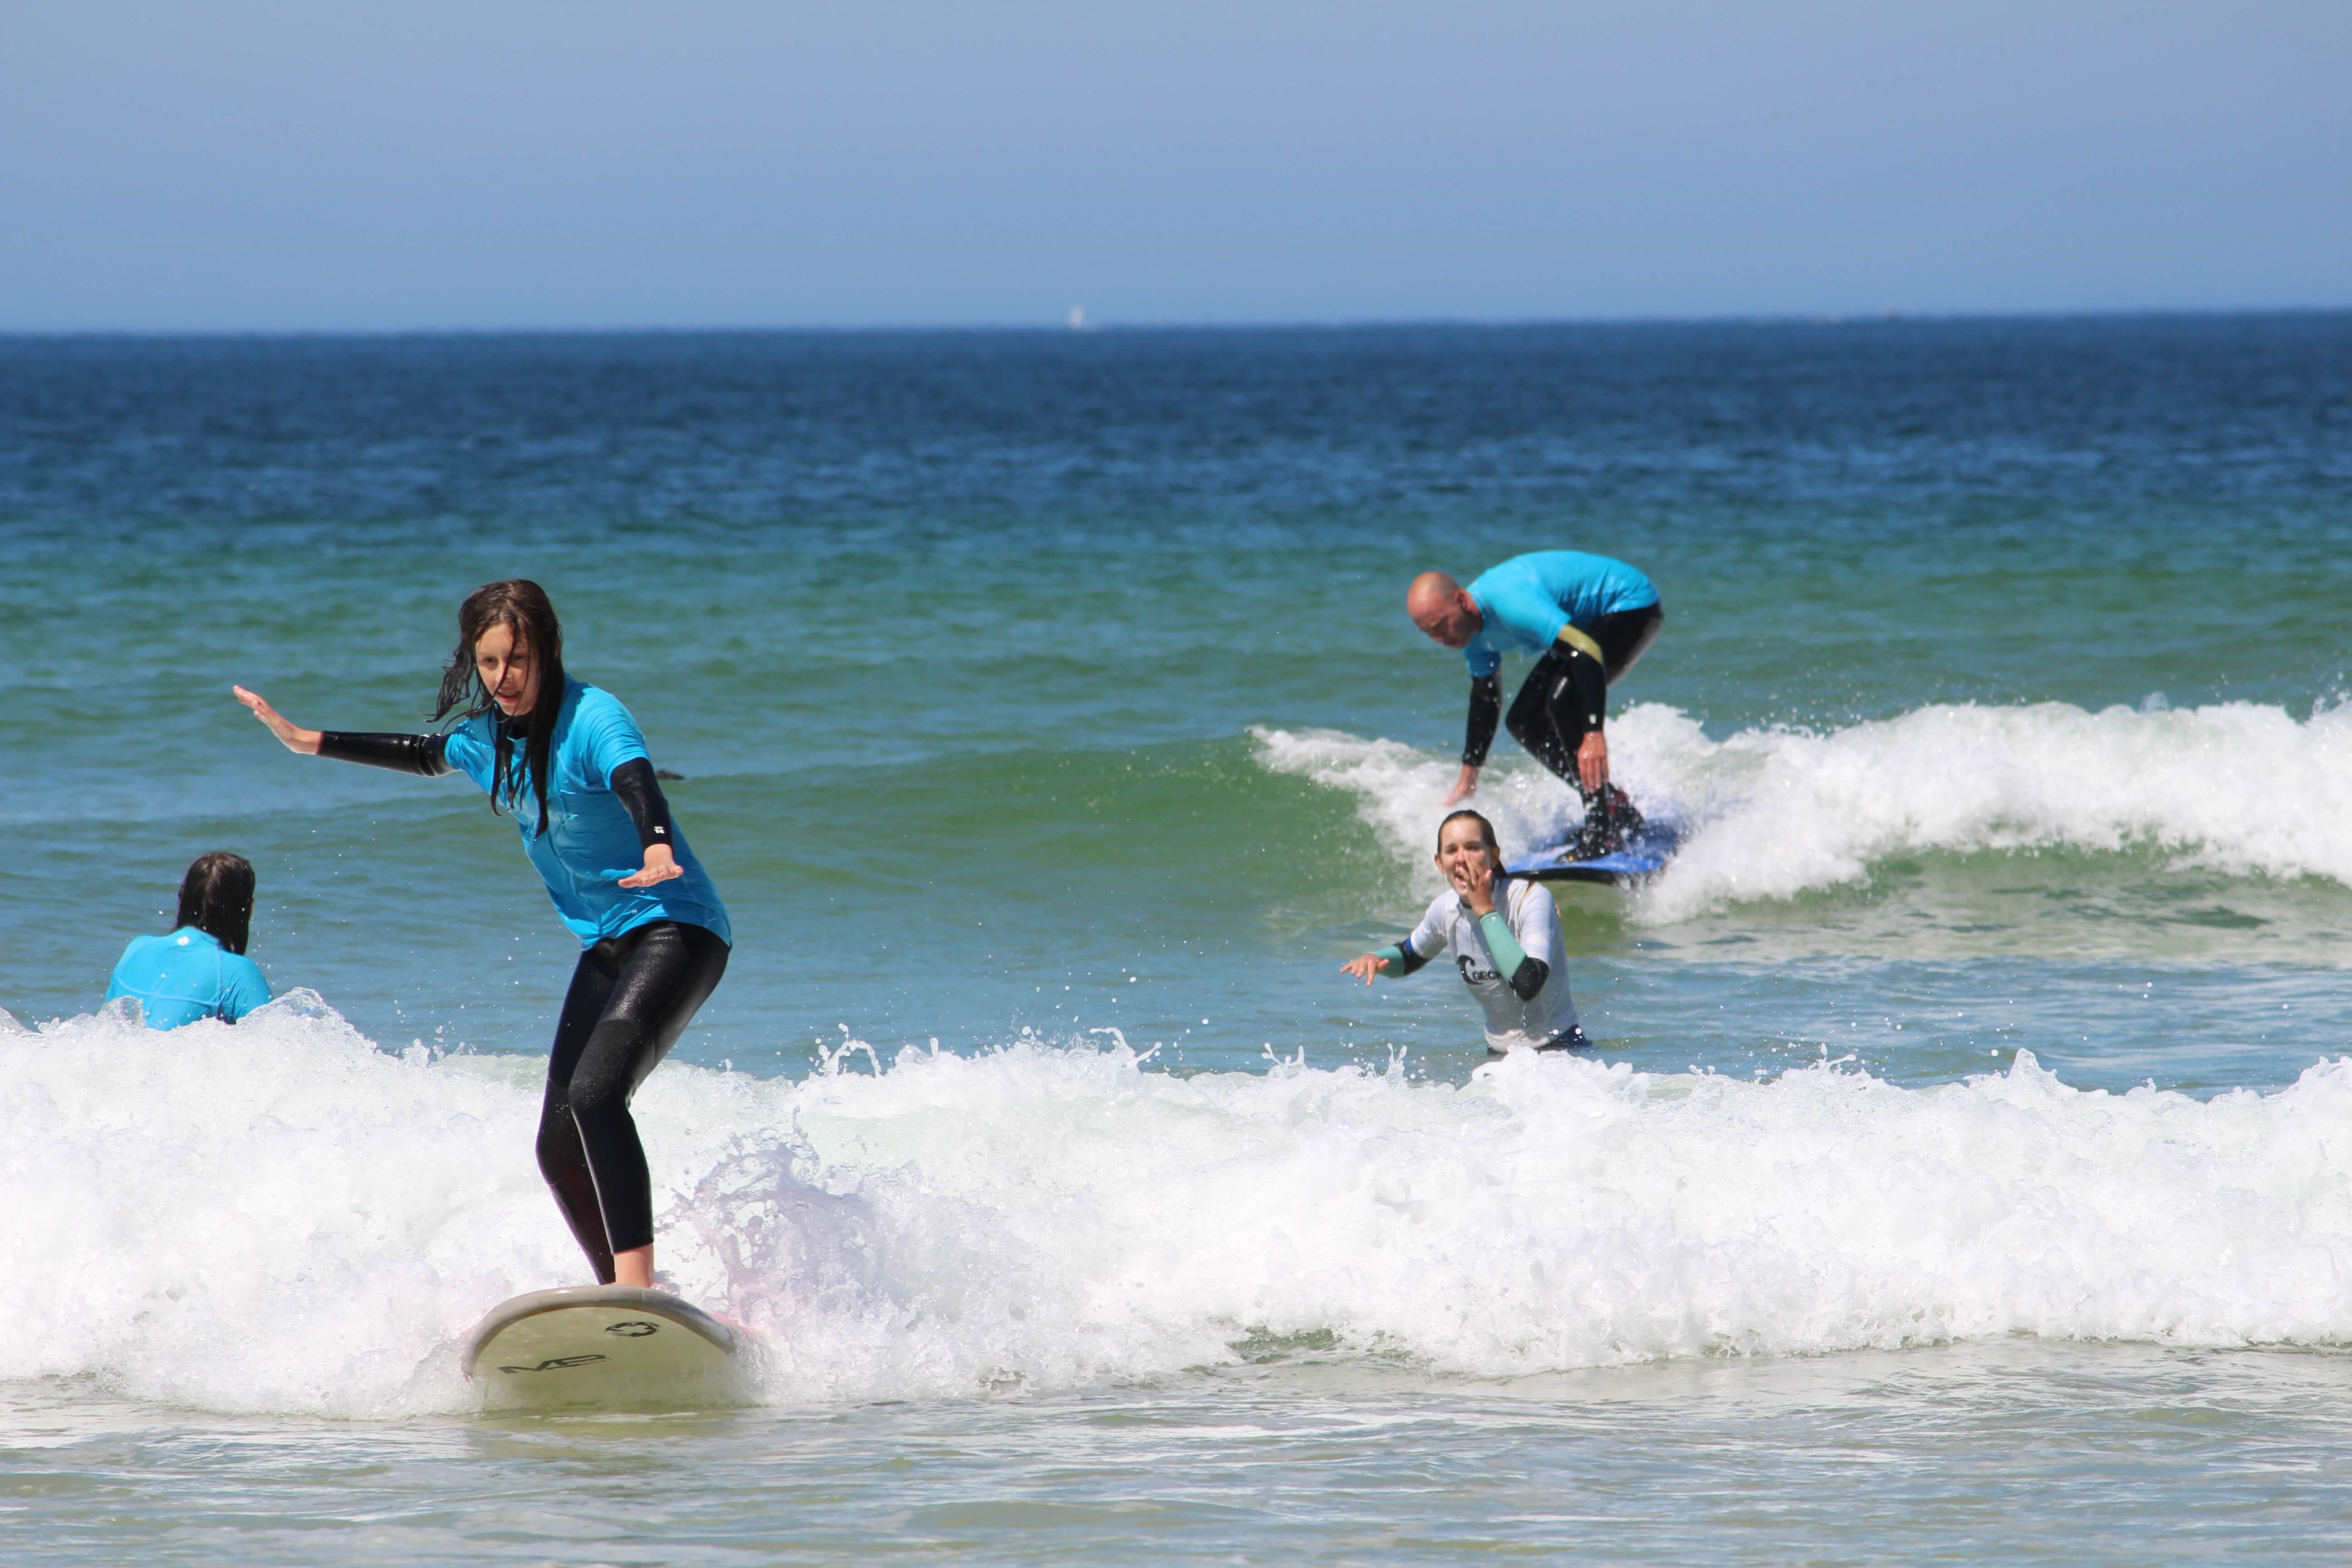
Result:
pixel 1484 827
pixel 522 608
pixel 216 898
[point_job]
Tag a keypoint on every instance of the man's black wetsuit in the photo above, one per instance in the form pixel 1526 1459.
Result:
pixel 1564 697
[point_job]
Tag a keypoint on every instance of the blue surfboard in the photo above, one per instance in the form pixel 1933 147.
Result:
pixel 1645 854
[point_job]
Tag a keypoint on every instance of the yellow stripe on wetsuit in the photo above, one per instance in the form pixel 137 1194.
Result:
pixel 1584 645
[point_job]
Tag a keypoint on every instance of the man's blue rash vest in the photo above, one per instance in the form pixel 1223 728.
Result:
pixel 1525 601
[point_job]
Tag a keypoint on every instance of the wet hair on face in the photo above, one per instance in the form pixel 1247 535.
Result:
pixel 216 898
pixel 1485 830
pixel 522 608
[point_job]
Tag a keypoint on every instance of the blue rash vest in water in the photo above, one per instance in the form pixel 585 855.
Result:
pixel 1524 602
pixel 591 843
pixel 186 975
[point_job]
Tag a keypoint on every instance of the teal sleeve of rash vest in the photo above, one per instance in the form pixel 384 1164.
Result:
pixel 1525 976
pixel 1401 958
pixel 1509 954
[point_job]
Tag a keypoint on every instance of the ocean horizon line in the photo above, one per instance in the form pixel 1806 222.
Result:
pixel 1145 327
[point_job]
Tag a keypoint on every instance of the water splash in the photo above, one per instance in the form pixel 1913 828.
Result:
pixel 2237 787
pixel 281 1217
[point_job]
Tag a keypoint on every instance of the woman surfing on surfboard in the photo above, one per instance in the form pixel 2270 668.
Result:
pixel 567 760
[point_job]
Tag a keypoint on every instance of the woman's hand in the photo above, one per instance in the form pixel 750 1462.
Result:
pixel 1364 967
pixel 1473 877
pixel 296 738
pixel 660 866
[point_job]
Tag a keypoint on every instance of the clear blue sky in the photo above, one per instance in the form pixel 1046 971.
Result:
pixel 274 164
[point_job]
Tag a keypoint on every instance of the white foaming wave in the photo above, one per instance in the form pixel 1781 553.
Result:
pixel 2237 786
pixel 281 1217
pixel 1400 791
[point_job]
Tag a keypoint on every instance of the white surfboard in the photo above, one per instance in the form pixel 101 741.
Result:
pixel 605 1347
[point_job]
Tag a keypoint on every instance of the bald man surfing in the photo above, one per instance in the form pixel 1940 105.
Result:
pixel 1587 619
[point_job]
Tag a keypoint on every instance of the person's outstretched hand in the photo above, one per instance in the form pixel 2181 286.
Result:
pixel 1364 967
pixel 661 865
pixel 296 738
pixel 1464 787
pixel 1593 761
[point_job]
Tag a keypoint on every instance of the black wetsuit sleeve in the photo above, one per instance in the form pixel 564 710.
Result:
pixel 1486 712
pixel 1528 978
pixel 633 784
pixel 423 756
pixel 1591 683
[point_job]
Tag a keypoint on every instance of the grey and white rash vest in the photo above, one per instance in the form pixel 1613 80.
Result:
pixel 1533 919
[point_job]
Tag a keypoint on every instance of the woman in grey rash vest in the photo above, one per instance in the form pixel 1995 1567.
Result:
pixel 1505 933
pixel 568 760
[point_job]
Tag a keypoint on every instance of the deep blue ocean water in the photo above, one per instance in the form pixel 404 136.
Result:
pixel 1047 715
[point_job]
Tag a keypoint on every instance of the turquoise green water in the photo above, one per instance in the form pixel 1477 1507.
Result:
pixel 1045 703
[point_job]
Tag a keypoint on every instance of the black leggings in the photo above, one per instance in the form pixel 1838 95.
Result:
pixel 631 998
pixel 1564 695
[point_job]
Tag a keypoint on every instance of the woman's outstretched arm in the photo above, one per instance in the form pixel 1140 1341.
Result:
pixel 425 755
pixel 1399 957
pixel 296 738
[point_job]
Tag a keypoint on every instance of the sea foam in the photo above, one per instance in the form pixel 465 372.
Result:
pixel 280 1216
pixel 2237 786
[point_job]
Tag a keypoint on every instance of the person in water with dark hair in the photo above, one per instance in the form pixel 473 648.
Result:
pixel 1587 619
pixel 198 969
pixel 568 760
pixel 1505 933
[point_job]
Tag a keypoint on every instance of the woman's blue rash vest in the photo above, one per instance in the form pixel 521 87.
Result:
pixel 591 843
pixel 185 975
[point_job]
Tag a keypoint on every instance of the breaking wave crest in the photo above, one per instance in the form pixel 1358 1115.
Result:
pixel 281 1217
pixel 2236 788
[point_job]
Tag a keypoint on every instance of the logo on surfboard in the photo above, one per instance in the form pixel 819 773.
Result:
pixel 636 1329
pixel 555 1364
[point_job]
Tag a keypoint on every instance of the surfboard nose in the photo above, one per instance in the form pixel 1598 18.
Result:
pixel 605 1347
